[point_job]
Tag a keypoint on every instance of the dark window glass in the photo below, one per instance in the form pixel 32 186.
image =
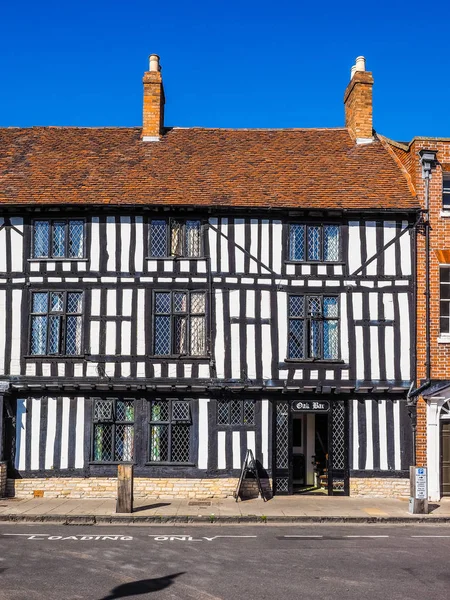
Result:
pixel 113 438
pixel 56 323
pixel 445 300
pixel 175 237
pixel 446 191
pixel 58 239
pixel 170 431
pixel 236 412
pixel 318 243
pixel 179 323
pixel 313 329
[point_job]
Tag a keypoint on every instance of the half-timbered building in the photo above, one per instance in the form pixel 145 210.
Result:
pixel 172 297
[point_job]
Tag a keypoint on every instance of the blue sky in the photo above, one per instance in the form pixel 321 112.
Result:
pixel 225 64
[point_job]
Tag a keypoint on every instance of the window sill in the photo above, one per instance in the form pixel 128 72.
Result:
pixel 177 357
pixel 445 213
pixel 169 464
pixel 59 259
pixel 111 463
pixel 443 339
pixel 175 258
pixel 324 263
pixel 313 361
pixel 54 356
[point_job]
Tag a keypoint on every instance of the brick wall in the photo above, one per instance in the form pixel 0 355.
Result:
pixel 106 487
pixel 379 487
pixel 2 479
pixel 153 108
pixel 439 240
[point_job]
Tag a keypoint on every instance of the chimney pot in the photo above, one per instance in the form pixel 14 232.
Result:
pixel 154 63
pixel 360 64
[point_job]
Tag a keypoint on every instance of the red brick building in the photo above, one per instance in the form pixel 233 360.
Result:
pixel 427 163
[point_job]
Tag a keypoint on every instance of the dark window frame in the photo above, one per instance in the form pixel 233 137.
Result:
pixel 169 423
pixel 306 259
pixel 307 319
pixel 241 424
pixel 444 301
pixel 113 422
pixel 446 191
pixel 63 314
pixel 172 316
pixel 51 222
pixel 168 225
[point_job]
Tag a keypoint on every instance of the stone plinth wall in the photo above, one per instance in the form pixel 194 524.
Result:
pixel 106 487
pixel 2 479
pixel 379 487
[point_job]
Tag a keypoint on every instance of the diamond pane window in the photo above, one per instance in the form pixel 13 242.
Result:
pixel 175 237
pixel 170 431
pixel 318 243
pixel 113 437
pixel 55 238
pixel 236 412
pixel 179 324
pixel 158 238
pixel 56 323
pixel 314 333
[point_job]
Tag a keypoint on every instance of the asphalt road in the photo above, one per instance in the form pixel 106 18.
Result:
pixel 224 562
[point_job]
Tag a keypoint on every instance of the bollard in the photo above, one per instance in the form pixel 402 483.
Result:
pixel 124 489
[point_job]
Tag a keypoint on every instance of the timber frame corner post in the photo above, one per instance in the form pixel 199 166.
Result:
pixel 124 502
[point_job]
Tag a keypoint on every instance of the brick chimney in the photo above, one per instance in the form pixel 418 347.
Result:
pixel 153 114
pixel 358 103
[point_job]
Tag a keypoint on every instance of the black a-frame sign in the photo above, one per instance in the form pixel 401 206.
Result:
pixel 249 466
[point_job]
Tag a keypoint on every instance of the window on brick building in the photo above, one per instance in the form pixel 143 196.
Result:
pixel 446 191
pixel 445 300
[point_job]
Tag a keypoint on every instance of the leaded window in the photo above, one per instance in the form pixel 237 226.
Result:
pixel 316 243
pixel 313 327
pixel 179 325
pixel 445 300
pixel 58 238
pixel 56 323
pixel 113 436
pixel 175 237
pixel 170 431
pixel 236 412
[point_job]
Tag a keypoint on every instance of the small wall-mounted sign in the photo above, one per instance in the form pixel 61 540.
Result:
pixel 311 405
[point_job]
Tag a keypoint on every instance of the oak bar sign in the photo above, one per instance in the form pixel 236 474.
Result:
pixel 311 406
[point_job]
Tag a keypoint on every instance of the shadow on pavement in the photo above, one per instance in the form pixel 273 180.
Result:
pixel 150 506
pixel 143 586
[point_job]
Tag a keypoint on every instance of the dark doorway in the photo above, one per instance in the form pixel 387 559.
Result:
pixel 445 458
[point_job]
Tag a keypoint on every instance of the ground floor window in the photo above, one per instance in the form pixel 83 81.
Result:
pixel 113 436
pixel 170 424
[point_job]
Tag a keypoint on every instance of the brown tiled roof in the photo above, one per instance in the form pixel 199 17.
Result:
pixel 311 168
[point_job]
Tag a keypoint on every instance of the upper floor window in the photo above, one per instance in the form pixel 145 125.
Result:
pixel 319 243
pixel 446 191
pixel 175 237
pixel 55 238
pixel 56 323
pixel 179 325
pixel 113 439
pixel 313 327
pixel 445 300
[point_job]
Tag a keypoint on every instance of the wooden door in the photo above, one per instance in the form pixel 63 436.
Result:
pixel 445 458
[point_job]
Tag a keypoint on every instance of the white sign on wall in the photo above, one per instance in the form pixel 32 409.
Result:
pixel 421 483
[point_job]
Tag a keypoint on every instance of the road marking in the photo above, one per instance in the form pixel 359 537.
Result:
pixel 367 536
pixel 77 538
pixel 430 536
pixel 189 538
pixel 303 536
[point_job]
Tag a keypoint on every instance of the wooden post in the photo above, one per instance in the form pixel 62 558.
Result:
pixel 124 489
pixel 2 429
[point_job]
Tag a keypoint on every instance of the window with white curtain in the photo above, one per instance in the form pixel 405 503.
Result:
pixel 315 243
pixel 179 323
pixel 56 323
pixel 58 238
pixel 175 237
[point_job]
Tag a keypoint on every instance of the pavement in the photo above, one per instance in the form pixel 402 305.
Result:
pixel 280 509
pixel 182 562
